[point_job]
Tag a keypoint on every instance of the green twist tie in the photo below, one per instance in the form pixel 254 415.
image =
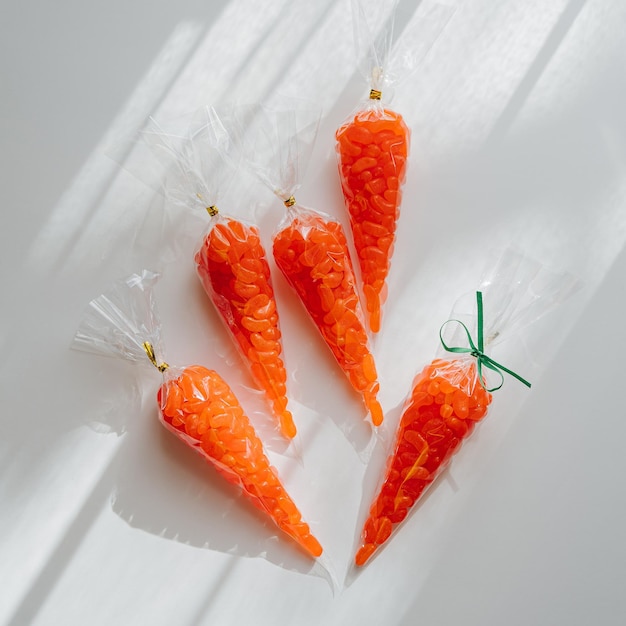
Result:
pixel 478 352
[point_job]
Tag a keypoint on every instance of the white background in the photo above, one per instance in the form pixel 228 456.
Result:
pixel 519 137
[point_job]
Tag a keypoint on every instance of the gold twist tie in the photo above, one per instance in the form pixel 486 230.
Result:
pixel 290 201
pixel 375 94
pixel 147 346
pixel 211 210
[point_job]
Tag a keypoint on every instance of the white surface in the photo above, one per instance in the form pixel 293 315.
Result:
pixel 519 136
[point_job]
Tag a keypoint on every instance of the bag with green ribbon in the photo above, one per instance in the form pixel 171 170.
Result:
pixel 453 393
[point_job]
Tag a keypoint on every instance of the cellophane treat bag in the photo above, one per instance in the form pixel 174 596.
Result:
pixel 310 247
pixel 451 395
pixel 200 167
pixel 373 143
pixel 195 403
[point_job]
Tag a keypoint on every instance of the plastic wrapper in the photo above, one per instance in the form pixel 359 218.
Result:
pixel 195 403
pixel 230 260
pixel 310 248
pixel 373 144
pixel 452 394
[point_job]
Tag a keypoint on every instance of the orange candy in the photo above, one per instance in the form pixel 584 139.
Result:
pixel 200 408
pixel 234 272
pixel 446 402
pixel 372 150
pixel 312 254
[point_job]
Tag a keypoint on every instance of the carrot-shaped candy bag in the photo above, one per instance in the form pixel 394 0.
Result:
pixel 452 395
pixel 373 147
pixel 195 403
pixel 234 271
pixel 310 248
pixel 230 261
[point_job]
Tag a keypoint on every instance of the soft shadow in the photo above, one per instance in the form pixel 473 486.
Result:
pixel 160 487
pixel 315 378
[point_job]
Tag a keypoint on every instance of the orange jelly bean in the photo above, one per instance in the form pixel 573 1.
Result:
pixel 372 150
pixel 235 274
pixel 201 409
pixel 330 297
pixel 428 435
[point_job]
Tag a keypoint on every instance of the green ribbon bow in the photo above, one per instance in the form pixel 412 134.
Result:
pixel 482 359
